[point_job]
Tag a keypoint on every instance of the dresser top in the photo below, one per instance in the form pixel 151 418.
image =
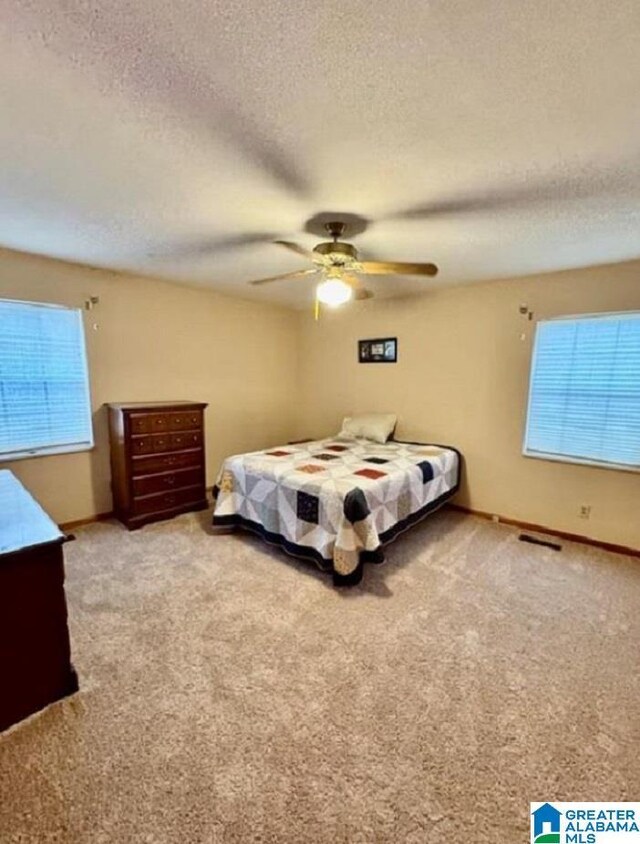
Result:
pixel 153 405
pixel 23 522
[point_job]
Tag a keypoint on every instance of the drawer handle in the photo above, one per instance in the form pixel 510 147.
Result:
pixel 170 480
pixel 169 461
pixel 170 499
pixel 178 420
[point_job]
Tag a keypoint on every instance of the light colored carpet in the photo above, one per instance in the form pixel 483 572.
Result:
pixel 231 694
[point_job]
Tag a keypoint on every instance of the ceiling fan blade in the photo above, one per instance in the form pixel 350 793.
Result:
pixel 397 268
pixel 297 274
pixel 529 189
pixel 359 291
pixel 350 279
pixel 295 247
pixel 362 293
pixel 210 246
pixel 453 206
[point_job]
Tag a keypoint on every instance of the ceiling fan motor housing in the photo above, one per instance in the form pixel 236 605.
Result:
pixel 340 254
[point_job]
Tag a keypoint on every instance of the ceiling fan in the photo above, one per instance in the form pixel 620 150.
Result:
pixel 337 267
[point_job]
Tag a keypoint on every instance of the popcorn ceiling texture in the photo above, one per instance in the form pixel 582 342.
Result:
pixel 141 135
pixel 231 694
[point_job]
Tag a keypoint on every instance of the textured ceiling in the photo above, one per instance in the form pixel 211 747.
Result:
pixel 167 137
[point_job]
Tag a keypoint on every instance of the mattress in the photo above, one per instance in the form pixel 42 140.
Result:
pixel 336 502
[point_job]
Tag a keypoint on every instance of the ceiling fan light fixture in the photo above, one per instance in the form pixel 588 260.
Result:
pixel 334 292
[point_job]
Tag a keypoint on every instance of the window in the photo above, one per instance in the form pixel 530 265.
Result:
pixel 584 394
pixel 44 386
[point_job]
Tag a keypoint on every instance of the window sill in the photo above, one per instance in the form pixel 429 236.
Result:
pixel 9 457
pixel 581 461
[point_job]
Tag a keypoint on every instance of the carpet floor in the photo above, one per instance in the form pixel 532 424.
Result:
pixel 231 694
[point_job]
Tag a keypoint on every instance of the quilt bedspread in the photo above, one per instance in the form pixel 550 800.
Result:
pixel 334 500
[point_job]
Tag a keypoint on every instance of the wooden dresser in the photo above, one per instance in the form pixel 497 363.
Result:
pixel 157 460
pixel 35 655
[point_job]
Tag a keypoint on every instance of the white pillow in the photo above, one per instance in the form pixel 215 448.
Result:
pixel 371 426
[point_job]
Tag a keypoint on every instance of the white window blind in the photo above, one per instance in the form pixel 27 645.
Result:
pixel 45 406
pixel 584 393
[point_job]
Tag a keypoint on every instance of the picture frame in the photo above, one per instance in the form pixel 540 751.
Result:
pixel 378 350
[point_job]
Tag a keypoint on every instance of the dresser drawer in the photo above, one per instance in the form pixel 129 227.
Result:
pixel 166 462
pixel 191 420
pixel 186 439
pixel 140 423
pixel 167 500
pixel 151 444
pixel 141 445
pixel 167 481
pixel 159 422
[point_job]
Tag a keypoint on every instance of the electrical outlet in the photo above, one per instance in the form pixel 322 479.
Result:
pixel 495 518
pixel 585 511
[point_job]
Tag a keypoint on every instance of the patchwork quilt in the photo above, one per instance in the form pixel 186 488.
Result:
pixel 335 501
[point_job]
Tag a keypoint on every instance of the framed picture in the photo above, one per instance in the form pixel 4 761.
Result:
pixel 378 350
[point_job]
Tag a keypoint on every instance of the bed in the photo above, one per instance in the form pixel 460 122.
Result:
pixel 335 501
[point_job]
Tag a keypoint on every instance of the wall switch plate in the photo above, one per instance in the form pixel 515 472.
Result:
pixel 585 511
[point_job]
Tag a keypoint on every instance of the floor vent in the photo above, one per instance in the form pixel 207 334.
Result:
pixel 524 537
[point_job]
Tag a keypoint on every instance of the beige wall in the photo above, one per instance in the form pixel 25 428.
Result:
pixel 462 378
pixel 269 373
pixel 160 341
